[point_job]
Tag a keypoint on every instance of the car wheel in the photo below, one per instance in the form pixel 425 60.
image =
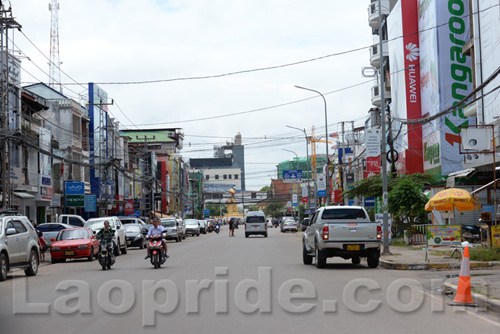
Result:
pixel 3 267
pixel 91 256
pixel 116 249
pixel 197 234
pixel 320 259
pixel 373 261
pixel 306 258
pixel 246 235
pixel 177 239
pixel 33 264
pixel 184 236
pixel 53 261
pixel 124 249
pixel 356 260
pixel 265 235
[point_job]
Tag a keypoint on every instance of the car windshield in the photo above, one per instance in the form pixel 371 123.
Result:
pixel 133 228
pixel 191 222
pixel 73 234
pixel 168 222
pixel 338 213
pixel 98 224
pixel 255 219
pixel 127 220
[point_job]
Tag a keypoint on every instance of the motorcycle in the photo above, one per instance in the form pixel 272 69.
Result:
pixel 156 251
pixel 217 229
pixel 106 257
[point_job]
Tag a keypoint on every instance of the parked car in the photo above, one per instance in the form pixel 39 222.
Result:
pixel 343 231
pixel 120 239
pixel 51 230
pixel 182 226
pixel 131 220
pixel 135 235
pixel 74 243
pixel 192 227
pixel 255 223
pixel 269 223
pixel 173 232
pixel 18 245
pixel 203 226
pixel 73 220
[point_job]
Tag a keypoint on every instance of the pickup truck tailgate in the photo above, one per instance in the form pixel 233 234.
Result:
pixel 352 232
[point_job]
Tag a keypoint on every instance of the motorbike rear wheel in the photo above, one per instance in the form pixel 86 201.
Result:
pixel 102 262
pixel 156 260
pixel 108 264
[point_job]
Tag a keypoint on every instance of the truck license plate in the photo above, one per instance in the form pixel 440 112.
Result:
pixel 353 247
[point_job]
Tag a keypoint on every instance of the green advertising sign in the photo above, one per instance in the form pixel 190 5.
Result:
pixel 75 200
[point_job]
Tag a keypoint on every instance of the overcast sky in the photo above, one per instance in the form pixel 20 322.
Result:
pixel 125 41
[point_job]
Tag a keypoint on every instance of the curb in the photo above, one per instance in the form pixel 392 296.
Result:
pixel 481 300
pixel 434 266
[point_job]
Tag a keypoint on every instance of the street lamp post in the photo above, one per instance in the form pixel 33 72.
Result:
pixel 296 168
pixel 327 202
pixel 307 164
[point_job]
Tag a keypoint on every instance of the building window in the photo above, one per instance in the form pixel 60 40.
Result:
pixel 225 177
pixel 216 176
pixel 207 177
pixel 236 176
pixel 254 195
pixel 230 176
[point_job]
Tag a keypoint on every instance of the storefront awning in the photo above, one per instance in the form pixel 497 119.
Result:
pixel 22 195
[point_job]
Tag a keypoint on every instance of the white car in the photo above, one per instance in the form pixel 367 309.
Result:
pixel 269 223
pixel 120 238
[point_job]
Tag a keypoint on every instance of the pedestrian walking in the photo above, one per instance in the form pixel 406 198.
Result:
pixel 231 227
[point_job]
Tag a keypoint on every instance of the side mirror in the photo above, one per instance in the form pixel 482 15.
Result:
pixel 118 227
pixel 94 232
pixel 11 231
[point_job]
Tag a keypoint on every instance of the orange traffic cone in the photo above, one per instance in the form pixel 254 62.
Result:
pixel 464 296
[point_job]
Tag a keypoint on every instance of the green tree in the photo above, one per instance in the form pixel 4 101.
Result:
pixel 265 188
pixel 407 201
pixel 274 209
pixel 216 209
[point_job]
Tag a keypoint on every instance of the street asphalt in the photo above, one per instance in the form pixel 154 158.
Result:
pixel 219 284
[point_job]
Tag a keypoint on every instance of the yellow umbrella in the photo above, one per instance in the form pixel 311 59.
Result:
pixel 453 198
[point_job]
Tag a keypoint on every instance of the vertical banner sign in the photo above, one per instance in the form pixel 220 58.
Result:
pixel 90 203
pixel 294 200
pixel 304 194
pixel 129 207
pixel 321 183
pixel 372 142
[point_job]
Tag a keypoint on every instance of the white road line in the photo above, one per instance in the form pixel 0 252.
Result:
pixel 469 312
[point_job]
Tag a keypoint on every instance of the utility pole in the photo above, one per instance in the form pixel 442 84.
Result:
pixel 6 22
pixel 342 162
pixel 383 153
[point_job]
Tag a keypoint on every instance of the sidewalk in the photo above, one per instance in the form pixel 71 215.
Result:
pixel 485 287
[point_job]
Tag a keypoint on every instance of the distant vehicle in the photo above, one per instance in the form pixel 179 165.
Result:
pixel 269 223
pixel 18 245
pixel 290 224
pixel 131 220
pixel 182 227
pixel 255 223
pixel 343 231
pixel 135 235
pixel 192 227
pixel 172 230
pixel 287 220
pixel 203 226
pixel 51 230
pixel 74 243
pixel 120 238
pixel 73 220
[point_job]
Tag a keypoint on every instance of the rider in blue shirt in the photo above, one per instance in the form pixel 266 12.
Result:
pixel 157 229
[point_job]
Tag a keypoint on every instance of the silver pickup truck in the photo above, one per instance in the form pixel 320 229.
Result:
pixel 344 231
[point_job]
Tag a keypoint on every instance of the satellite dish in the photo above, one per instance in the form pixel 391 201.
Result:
pixel 43 115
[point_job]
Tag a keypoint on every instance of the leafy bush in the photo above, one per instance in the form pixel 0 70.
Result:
pixel 484 254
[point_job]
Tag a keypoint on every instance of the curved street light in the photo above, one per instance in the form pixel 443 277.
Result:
pixel 327 202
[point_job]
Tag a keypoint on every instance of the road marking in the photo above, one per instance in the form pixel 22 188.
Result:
pixel 469 312
pixel 329 306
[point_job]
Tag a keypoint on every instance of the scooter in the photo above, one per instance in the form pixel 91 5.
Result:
pixel 217 229
pixel 156 251
pixel 106 257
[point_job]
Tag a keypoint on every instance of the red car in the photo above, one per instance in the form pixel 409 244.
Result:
pixel 74 243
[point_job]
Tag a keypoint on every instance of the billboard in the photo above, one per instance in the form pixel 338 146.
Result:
pixel 404 56
pixel 446 75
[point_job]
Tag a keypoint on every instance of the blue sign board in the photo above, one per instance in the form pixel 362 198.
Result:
pixel 90 203
pixel 75 188
pixel 206 212
pixel 292 175
pixel 322 193
pixel 369 202
pixel 488 208
pixel 350 203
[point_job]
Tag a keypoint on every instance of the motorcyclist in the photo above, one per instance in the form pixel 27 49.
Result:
pixel 106 233
pixel 157 229
pixel 217 227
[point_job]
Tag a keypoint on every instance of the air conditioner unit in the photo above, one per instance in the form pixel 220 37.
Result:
pixel 476 139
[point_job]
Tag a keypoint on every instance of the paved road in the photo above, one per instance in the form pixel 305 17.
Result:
pixel 217 284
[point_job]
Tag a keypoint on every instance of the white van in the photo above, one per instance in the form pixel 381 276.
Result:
pixel 255 223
